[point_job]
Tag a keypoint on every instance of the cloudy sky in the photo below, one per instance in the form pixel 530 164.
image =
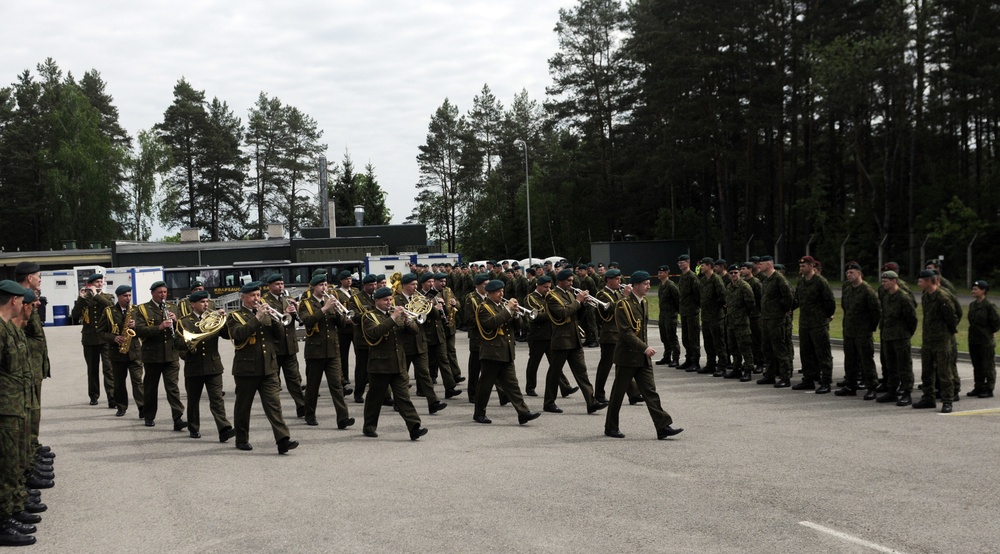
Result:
pixel 371 73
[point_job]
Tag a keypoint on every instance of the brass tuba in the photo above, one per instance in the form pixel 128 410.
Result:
pixel 210 324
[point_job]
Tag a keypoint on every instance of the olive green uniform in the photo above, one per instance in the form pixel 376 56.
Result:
pixel 255 370
pixel 940 324
pixel 608 340
pixel 387 368
pixel 713 321
pixel 160 354
pixel 756 337
pixel 563 308
pixel 816 304
pixel 361 303
pixel 496 355
pixel 286 347
pixel 861 317
pixel 690 306
pixel 88 310
pixel 127 365
pixel 984 321
pixel 897 325
pixel 203 371
pixel 38 351
pixel 669 298
pixel 415 346
pixel 322 354
pixel 775 305
pixel 739 305
pixel 15 392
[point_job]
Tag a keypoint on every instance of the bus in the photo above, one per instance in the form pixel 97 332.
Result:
pixel 226 279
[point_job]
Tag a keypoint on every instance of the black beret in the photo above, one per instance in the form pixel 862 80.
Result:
pixel 480 279
pixel 494 285
pixel 26 268
pixel 734 267
pixel 934 262
pixel 779 267
pixel 980 284
pixel 755 259
pixel 721 261
pixel 664 267
pixel 197 296
pixel 122 289
pixel 383 292
pixel 408 278
pixel 683 258
pixel 853 265
pixel 368 279
pixel 10 288
pixel 250 287
pixel 748 265
pixel 275 278
pixel 927 274
pixel 95 277
pixel 766 259
pixel 543 280
pixel 564 274
pixel 708 260
pixel 613 264
pixel 639 277
pixel 157 285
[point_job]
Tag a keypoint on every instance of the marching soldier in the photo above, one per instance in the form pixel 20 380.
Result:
pixel 383 331
pixel 184 306
pixel 345 333
pixel 437 342
pixel 739 305
pixel 588 314
pixel 540 339
pixel 610 295
pixel 161 347
pixel 286 345
pixel 361 302
pixel 897 325
pixel 117 322
pixel 255 368
pixel 415 346
pixel 495 321
pixel 814 298
pixel 471 304
pixel 87 309
pixel 451 309
pixel 563 308
pixel 321 317
pixel 203 370
pixel 634 361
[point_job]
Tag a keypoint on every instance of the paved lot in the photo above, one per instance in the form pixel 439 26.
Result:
pixel 753 468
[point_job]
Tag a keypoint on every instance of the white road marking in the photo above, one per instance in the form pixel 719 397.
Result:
pixel 848 538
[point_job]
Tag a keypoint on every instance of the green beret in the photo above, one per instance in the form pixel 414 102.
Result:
pixel 613 264
pixel 683 258
pixel 383 292
pixel 543 280
pixel 29 296
pixel 157 285
pixel 754 259
pixel 95 277
pixel 564 274
pixel 492 262
pixel 26 268
pixel 853 265
pixel 480 279
pixel 343 275
pixel 408 278
pixel 639 277
pixel 440 276
pixel 250 287
pixel 494 285
pixel 779 267
pixel 426 276
pixel 613 273
pixel 380 277
pixel 197 283
pixel 319 271
pixel 317 280
pixel 274 278
pixel 927 274
pixel 748 265
pixel 708 260
pixel 766 259
pixel 10 288
pixel 980 284
pixel 122 289
pixel 721 261
pixel 369 279
pixel 196 296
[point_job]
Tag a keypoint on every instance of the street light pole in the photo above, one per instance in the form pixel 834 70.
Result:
pixel 527 191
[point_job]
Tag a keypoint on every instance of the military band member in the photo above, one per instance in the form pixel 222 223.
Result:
pixel 255 368
pixel 345 333
pixel 739 305
pixel 184 306
pixel 116 322
pixel 452 307
pixel 286 345
pixel 155 325
pixel 29 276
pixel 415 346
pixel 562 308
pixel 587 317
pixel 471 304
pixel 203 370
pixel 814 299
pixel 361 302
pixel 540 339
pixel 669 298
pixel 321 318
pixel 896 328
pixel 610 295
pixel 634 361
pixel 383 331
pixel 437 341
pixel 689 291
pixel 496 322
pixel 87 309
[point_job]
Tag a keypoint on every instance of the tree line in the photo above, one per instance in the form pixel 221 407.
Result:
pixel 71 172
pixel 725 123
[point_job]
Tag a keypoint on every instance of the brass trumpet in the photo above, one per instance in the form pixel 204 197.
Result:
pixel 530 313
pixel 595 302
pixel 337 305
pixel 285 319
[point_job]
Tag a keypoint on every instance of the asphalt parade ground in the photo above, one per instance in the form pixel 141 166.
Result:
pixel 757 469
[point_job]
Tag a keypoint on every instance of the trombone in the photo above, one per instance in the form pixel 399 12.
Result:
pixel 595 302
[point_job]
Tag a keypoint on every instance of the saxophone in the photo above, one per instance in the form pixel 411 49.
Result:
pixel 128 333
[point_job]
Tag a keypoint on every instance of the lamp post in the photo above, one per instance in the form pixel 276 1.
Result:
pixel 527 191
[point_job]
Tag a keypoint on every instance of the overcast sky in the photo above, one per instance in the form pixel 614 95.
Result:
pixel 371 73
